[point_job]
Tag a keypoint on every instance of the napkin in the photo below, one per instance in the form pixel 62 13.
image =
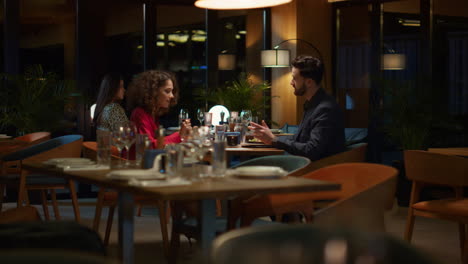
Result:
pixel 159 183
pixel 90 167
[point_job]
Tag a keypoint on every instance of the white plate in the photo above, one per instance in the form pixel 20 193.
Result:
pixel 135 174
pixel 69 161
pixel 259 172
pixel 4 136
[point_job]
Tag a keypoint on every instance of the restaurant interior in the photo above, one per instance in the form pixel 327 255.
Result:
pixel 398 70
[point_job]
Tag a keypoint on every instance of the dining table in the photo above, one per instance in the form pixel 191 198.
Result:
pixel 450 151
pixel 205 192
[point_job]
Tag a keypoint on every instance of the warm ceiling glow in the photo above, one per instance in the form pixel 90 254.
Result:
pixel 393 61
pixel 238 4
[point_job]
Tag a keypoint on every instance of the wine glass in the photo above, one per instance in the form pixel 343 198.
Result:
pixel 117 135
pixel 183 114
pixel 129 138
pixel 246 115
pixel 201 115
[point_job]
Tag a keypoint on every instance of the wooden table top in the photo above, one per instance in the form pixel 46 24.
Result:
pixel 246 151
pixel 215 189
pixel 450 151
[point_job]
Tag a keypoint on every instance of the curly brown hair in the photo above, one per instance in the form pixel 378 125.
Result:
pixel 144 91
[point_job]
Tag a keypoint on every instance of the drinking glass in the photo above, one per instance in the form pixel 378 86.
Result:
pixel 103 140
pixel 117 135
pixel 208 118
pixel 200 115
pixel 246 115
pixel 129 138
pixel 183 114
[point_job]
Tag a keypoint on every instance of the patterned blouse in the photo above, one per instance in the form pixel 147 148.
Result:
pixel 111 115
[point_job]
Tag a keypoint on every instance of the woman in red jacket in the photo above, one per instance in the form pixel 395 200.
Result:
pixel 149 96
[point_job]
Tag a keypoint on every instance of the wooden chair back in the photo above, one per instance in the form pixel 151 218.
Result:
pixel 367 190
pixel 354 153
pixel 68 150
pixel 36 137
pixel 435 168
pixel 90 150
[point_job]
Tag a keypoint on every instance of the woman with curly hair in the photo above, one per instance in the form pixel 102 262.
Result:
pixel 150 95
pixel 108 111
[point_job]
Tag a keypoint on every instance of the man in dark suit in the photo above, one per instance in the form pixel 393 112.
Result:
pixel 321 132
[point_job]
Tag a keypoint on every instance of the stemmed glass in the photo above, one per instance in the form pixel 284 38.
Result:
pixel 183 114
pixel 201 115
pixel 118 142
pixel 129 138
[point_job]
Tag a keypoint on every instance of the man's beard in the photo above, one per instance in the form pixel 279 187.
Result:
pixel 300 91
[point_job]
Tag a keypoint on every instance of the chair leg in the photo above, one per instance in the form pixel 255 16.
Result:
pixel 140 207
pixel 53 196
pixel 98 212
pixel 74 197
pixel 409 225
pixel 22 188
pixel 110 218
pixel 2 193
pixel 462 233
pixel 26 197
pixel 45 205
pixel 162 207
pixel 175 235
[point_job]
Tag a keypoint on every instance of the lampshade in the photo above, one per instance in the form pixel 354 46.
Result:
pixel 216 111
pixel 275 58
pixel 393 61
pixel 238 4
pixel 226 62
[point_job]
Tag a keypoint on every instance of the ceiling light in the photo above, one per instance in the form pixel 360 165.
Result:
pixel 238 4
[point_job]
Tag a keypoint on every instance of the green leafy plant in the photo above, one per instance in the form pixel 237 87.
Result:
pixel 34 101
pixel 408 113
pixel 241 94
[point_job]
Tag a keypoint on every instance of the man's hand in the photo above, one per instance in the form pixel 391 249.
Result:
pixel 262 132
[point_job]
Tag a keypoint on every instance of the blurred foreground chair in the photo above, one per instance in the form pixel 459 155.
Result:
pixel 305 244
pixel 109 199
pixel 366 191
pixel 268 205
pixel 183 221
pixel 60 147
pixel 425 169
pixel 22 231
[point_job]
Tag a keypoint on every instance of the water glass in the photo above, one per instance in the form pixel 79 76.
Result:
pixel 219 158
pixel 171 162
pixel 149 157
pixel 208 118
pixel 142 143
pixel 103 140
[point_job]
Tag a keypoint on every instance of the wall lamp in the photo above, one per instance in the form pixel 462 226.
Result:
pixel 238 4
pixel 393 61
pixel 276 57
pixel 226 61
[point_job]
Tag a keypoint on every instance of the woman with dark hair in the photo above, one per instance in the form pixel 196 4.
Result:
pixel 150 95
pixel 108 111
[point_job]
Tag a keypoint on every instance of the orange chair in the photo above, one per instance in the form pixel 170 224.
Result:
pixel 266 205
pixel 109 198
pixel 354 178
pixel 424 169
pixel 36 137
pixel 65 146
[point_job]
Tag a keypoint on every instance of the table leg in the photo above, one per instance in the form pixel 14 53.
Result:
pixel 126 208
pixel 207 223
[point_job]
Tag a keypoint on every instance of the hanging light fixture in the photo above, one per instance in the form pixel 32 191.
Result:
pixel 226 61
pixel 238 4
pixel 392 61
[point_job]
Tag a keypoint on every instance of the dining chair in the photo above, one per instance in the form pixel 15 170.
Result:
pixel 426 169
pixel 60 147
pixel 186 216
pixel 107 198
pixel 265 205
pixel 13 167
pixel 361 179
pixel 306 243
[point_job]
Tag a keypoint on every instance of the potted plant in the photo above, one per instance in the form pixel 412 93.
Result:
pixel 33 101
pixel 241 94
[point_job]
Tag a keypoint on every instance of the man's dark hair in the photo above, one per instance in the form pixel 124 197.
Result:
pixel 309 67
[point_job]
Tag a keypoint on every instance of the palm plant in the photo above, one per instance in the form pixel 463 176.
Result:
pixel 33 101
